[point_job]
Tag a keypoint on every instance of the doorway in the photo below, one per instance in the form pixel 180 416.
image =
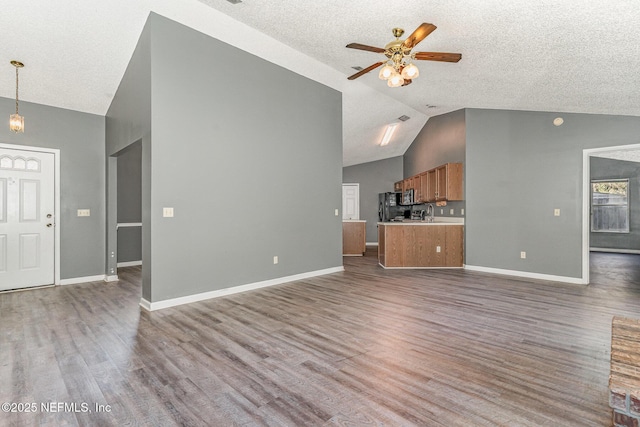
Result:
pixel 29 206
pixel 129 206
pixel 606 152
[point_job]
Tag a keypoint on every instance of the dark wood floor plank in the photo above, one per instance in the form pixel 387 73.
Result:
pixel 362 347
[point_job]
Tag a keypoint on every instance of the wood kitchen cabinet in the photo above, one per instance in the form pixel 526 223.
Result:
pixel 420 245
pixel 418 194
pixel 424 187
pixel 407 184
pixel 445 183
pixel 439 184
pixel 454 248
pixel 432 185
pixel 354 237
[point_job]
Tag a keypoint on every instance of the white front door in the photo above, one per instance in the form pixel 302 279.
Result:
pixel 27 238
pixel 350 201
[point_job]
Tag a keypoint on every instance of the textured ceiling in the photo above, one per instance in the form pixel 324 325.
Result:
pixel 562 56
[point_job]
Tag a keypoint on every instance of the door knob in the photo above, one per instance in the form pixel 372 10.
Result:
pixel 49 225
pixel 49 215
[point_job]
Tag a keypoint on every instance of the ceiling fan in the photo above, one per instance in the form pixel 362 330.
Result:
pixel 399 70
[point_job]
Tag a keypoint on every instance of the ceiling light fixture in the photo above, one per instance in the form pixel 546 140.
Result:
pixel 16 121
pixel 388 134
pixel 397 71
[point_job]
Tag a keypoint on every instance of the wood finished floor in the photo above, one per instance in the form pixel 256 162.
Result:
pixel 363 347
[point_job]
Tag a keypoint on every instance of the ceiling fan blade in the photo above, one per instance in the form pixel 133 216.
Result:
pixel 418 35
pixel 365 71
pixel 438 56
pixel 365 47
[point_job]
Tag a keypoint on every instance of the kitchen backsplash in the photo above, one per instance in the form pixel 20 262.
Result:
pixel 458 208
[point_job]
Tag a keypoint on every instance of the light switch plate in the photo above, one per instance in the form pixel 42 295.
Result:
pixel 337 212
pixel 167 212
pixel 556 212
pixel 84 212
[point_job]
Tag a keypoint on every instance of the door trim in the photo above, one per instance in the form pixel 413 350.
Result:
pixel 56 196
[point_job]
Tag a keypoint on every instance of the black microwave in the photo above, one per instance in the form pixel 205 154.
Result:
pixel 407 197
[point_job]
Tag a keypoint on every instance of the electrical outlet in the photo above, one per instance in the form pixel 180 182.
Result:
pixel 438 249
pixel 451 211
pixel 556 212
pixel 462 211
pixel 167 212
pixel 275 259
pixel 523 255
pixel 84 212
pixel 441 211
pixel 336 212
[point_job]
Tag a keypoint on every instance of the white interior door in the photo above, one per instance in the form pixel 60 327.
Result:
pixel 350 201
pixel 27 202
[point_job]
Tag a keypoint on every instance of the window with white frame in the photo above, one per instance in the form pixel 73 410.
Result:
pixel 610 206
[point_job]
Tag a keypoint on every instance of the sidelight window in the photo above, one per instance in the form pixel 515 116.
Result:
pixel 610 206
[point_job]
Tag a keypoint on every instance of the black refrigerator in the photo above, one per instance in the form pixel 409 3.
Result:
pixel 389 207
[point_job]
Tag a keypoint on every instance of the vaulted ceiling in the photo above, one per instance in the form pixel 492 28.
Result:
pixel 561 56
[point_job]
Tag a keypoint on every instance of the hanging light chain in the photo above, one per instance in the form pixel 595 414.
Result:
pixel 17 90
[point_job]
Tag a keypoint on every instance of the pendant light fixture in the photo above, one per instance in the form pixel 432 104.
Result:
pixel 16 121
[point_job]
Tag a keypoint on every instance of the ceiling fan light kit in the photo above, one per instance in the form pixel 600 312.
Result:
pixel 395 80
pixel 399 69
pixel 386 72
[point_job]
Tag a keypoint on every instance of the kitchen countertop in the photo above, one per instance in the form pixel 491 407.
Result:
pixel 437 221
pixel 353 220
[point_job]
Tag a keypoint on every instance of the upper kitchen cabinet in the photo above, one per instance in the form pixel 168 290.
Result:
pixel 407 184
pixel 432 185
pixel 420 186
pixel 448 182
pixel 436 185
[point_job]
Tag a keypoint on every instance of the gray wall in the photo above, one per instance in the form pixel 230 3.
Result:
pixel 268 138
pixel 128 121
pixel 602 168
pixel 80 139
pixel 441 140
pixel 519 168
pixel 129 201
pixel 374 178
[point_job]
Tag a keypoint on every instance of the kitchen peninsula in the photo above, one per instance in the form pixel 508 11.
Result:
pixel 421 244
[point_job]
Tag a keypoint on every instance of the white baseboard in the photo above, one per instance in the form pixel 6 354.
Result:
pixel 145 304
pixel 76 280
pixel 158 305
pixel 129 263
pixel 528 275
pixel 617 251
pixel 112 278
